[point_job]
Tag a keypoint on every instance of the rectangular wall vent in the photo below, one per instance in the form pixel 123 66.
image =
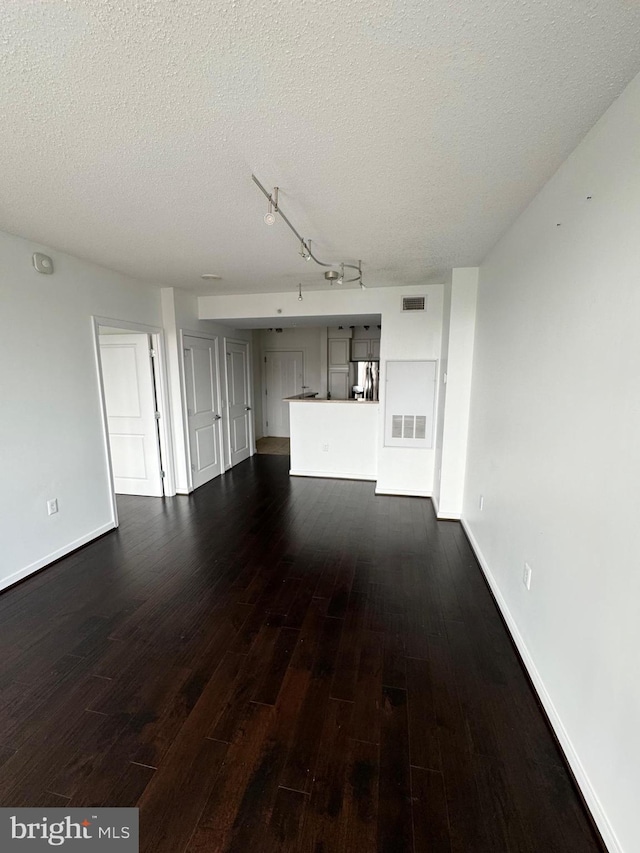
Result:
pixel 414 303
pixel 409 426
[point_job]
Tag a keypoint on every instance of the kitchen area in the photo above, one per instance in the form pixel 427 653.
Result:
pixel 335 433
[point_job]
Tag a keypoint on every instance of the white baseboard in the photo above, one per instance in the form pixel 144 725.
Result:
pixel 447 516
pixel 606 830
pixel 182 492
pixel 55 555
pixel 404 493
pixel 332 475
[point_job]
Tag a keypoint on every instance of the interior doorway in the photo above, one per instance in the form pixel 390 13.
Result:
pixel 284 377
pixel 134 408
pixel 203 407
pixel 239 417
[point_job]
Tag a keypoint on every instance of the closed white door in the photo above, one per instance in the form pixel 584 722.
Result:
pixel 127 376
pixel 238 407
pixel 284 378
pixel 202 387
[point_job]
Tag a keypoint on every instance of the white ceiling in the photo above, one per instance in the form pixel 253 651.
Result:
pixel 403 132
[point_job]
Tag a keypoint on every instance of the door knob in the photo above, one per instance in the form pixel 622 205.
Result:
pixel 247 408
pixel 217 417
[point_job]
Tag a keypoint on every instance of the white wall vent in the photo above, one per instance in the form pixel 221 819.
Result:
pixel 414 303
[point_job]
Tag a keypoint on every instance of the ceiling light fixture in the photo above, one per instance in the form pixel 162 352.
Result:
pixel 305 245
pixel 300 292
pixel 210 276
pixel 305 253
pixel 270 215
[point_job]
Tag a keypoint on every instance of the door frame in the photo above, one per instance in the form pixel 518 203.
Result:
pixel 162 399
pixel 249 377
pixel 265 353
pixel 185 415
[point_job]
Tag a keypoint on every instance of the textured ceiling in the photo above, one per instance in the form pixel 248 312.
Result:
pixel 408 133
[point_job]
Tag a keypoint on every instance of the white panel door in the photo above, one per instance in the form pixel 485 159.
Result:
pixel 238 408
pixel 202 388
pixel 127 375
pixel 284 375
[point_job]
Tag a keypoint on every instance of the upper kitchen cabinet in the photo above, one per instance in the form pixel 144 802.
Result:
pixel 338 353
pixel 365 345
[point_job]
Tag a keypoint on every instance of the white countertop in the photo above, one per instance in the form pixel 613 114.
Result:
pixel 324 400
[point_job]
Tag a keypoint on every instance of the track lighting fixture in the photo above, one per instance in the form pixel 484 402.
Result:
pixel 300 292
pixel 305 253
pixel 332 275
pixel 270 215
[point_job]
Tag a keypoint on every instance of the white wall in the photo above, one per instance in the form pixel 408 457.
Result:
pixel 554 449
pixel 405 335
pixel 334 438
pixel 442 392
pixel 51 433
pixel 455 408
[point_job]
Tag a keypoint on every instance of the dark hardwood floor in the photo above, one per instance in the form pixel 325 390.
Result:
pixel 277 664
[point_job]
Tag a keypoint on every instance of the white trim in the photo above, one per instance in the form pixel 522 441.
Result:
pixel 447 516
pixel 56 555
pixel 606 830
pixel 330 475
pixel 434 501
pixel 404 493
pixel 95 324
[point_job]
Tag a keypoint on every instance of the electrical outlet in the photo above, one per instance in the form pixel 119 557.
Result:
pixel 52 506
pixel 526 576
pixel 481 503
pixel 325 448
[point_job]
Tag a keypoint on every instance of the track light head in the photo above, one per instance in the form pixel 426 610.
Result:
pixel 305 251
pixel 300 292
pixel 270 215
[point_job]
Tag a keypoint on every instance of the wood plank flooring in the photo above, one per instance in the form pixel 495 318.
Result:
pixel 278 664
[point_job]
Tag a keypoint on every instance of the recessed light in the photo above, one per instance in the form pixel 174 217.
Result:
pixel 210 276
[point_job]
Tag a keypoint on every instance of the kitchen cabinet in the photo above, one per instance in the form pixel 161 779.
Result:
pixel 338 368
pixel 338 353
pixel 365 349
pixel 338 385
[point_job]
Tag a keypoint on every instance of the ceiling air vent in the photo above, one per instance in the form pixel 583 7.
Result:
pixel 414 303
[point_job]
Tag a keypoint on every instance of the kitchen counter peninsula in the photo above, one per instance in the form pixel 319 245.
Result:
pixel 333 438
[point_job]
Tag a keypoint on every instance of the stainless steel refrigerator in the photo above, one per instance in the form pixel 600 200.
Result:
pixel 363 380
